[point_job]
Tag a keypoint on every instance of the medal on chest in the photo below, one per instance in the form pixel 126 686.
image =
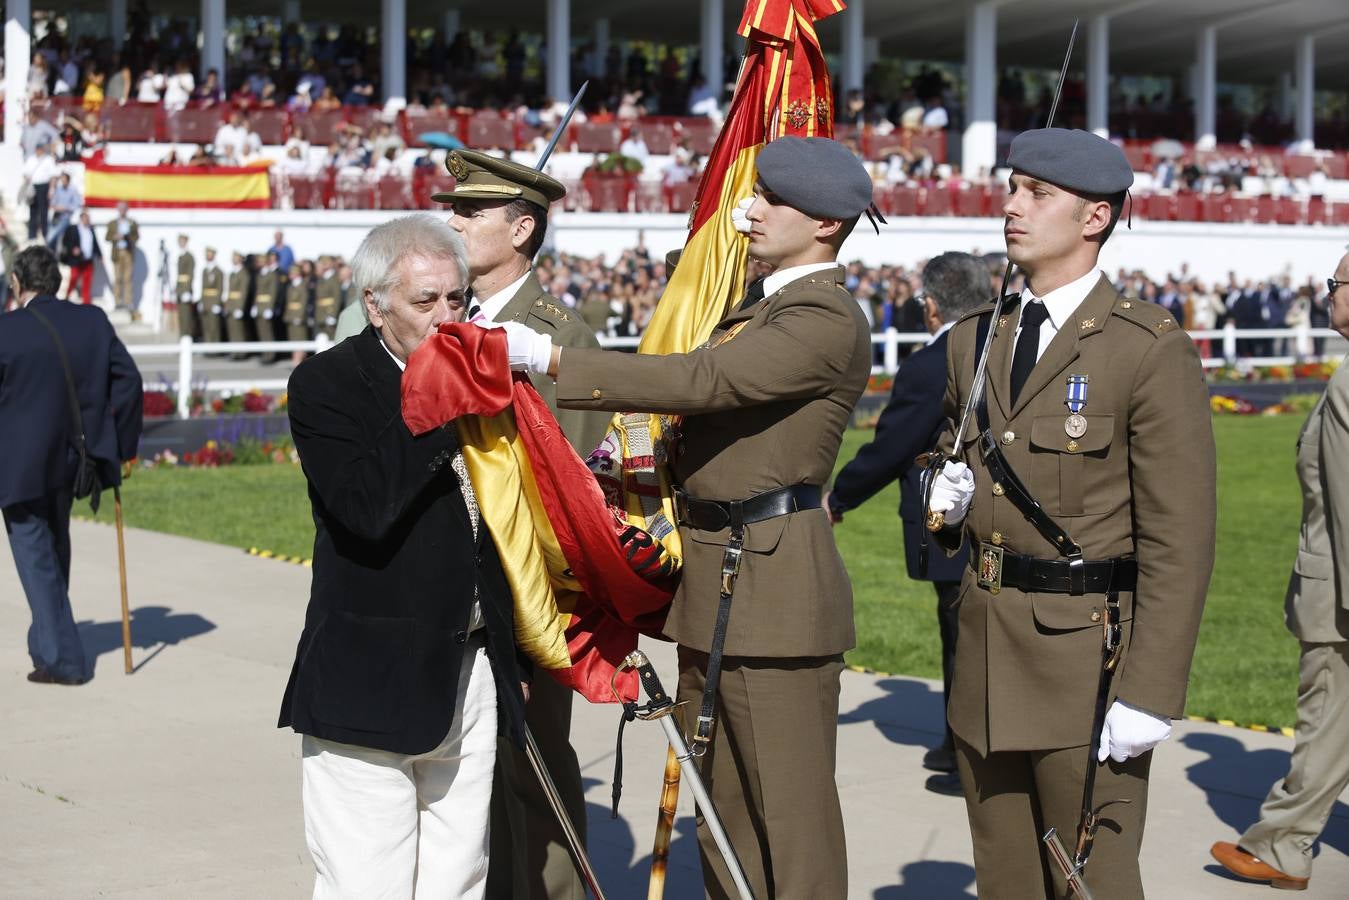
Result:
pixel 1076 424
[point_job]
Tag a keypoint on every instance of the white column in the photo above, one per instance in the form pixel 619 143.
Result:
pixel 117 22
pixel 1305 76
pixel 18 53
pixel 1098 75
pixel 601 44
pixel 559 50
pixel 451 24
pixel 979 147
pixel 1287 97
pixel 213 38
pixel 853 50
pixel 290 11
pixel 1206 87
pixel 394 42
pixel 713 44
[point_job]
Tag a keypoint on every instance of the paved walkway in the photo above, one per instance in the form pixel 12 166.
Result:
pixel 172 783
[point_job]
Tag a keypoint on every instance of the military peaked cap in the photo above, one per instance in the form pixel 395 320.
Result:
pixel 1071 158
pixel 818 176
pixel 479 176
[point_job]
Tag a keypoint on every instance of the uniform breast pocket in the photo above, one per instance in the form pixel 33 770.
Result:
pixel 1074 474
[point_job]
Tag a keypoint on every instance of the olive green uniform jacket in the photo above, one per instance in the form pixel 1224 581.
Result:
pixel 1141 481
pixel 764 406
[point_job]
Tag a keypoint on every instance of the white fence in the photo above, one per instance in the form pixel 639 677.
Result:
pixel 1218 348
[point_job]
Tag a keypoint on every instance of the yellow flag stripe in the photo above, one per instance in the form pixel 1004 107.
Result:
pixel 174 187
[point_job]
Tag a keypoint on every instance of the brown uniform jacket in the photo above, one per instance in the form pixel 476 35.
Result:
pixel 545 314
pixel 763 409
pixel 187 267
pixel 236 300
pixel 1141 481
pixel 212 284
pixel 1317 605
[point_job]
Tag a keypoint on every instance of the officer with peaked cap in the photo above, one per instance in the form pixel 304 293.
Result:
pixel 764 404
pixel 501 209
pixel 1097 406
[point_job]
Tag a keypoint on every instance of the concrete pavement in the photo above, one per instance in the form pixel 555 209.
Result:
pixel 174 782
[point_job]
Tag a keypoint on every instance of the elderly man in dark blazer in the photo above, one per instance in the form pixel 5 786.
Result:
pixel 953 284
pixel 408 647
pixel 40 443
pixel 1280 846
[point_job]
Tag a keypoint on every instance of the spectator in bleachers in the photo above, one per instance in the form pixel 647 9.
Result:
pixel 149 87
pixel 294 162
pixel 91 133
pixel 38 172
pixel 383 139
pixel 118 89
pixel 37 77
pixel 327 100
pixel 231 133
pixel 209 92
pixel 634 147
pixel 80 251
pixel 285 257
pixel 37 131
pixel 93 92
pixel 178 87
pixel 702 99
pixel 70 145
pixel 300 101
pixel 64 202
pixel 360 92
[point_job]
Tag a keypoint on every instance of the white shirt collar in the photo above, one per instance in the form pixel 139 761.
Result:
pixel 1061 302
pixel 492 306
pixel 782 277
pixel 402 366
pixel 946 326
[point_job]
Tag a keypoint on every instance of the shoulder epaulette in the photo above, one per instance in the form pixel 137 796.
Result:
pixel 1150 317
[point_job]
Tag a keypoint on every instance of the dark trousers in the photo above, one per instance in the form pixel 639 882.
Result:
pixel 39 538
pixel 948 614
pixel 37 212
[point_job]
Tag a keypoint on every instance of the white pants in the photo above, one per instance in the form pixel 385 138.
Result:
pixel 386 825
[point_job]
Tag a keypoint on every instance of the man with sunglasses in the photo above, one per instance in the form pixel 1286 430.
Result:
pixel 1279 848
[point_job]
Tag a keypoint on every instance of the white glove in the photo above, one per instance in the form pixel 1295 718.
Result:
pixel 1130 732
pixel 740 215
pixel 953 491
pixel 527 350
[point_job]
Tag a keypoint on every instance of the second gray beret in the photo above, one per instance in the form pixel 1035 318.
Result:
pixel 818 176
pixel 1071 158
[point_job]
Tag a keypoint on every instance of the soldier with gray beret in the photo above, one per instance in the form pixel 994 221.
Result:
pixel 1087 487
pixel 764 403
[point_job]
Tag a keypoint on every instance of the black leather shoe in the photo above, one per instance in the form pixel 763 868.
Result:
pixel 947 783
pixel 42 676
pixel 940 759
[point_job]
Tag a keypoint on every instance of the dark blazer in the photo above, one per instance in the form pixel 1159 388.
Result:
pixel 395 565
pixel 36 428
pixel 911 423
pixel 70 246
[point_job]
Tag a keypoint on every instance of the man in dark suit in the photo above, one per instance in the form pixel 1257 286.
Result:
pixel 40 444
pixel 954 284
pixel 80 251
pixel 408 642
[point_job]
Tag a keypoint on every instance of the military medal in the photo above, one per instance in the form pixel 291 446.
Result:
pixel 1076 423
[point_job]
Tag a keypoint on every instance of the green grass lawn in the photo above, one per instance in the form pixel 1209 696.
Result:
pixel 1245 669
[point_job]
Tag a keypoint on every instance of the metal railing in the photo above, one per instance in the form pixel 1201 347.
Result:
pixel 885 345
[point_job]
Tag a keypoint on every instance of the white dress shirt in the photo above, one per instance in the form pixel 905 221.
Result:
pixel 491 307
pixel 1060 304
pixel 782 277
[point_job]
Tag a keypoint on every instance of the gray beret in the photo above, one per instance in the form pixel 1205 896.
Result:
pixel 818 176
pixel 1071 158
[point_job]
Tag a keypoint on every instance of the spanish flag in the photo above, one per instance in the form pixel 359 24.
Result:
pixel 177 187
pixel 591 558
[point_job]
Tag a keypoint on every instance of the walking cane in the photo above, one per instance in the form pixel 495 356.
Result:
pixel 665 816
pixel 121 567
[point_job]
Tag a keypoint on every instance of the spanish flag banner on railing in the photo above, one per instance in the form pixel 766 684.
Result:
pixel 177 187
pixel 591 563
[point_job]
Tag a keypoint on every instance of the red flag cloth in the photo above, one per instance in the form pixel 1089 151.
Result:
pixel 463 370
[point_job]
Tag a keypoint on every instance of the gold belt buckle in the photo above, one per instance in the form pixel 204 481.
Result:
pixel 990 567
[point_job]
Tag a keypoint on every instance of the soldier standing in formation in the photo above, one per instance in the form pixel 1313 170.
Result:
pixel 187 307
pixel 1097 408
pixel 501 209
pixel 209 308
pixel 327 298
pixel 269 298
pixel 764 404
pixel 236 302
pixel 297 307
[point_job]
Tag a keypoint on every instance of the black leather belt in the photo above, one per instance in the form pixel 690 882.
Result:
pixel 714 515
pixel 995 568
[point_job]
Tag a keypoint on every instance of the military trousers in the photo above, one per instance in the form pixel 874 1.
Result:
pixel 770 774
pixel 529 854
pixel 1298 806
pixel 1014 796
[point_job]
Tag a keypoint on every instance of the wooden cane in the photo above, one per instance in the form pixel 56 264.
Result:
pixel 665 816
pixel 121 567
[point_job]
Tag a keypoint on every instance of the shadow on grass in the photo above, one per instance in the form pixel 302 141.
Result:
pixel 931 880
pixel 151 626
pixel 912 713
pixel 1235 779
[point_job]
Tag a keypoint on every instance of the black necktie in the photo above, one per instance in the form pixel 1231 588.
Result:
pixel 1027 345
pixel 753 295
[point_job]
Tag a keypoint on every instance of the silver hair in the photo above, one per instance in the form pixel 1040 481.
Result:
pixel 374 267
pixel 957 283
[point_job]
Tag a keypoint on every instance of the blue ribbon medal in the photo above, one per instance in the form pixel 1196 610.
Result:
pixel 1076 423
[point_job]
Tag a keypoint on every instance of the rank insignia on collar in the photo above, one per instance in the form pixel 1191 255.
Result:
pixel 1088 323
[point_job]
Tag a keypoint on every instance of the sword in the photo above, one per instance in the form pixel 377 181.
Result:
pixel 562 127
pixel 578 853
pixel 935 460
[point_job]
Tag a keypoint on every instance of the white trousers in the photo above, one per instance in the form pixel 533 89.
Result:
pixel 394 827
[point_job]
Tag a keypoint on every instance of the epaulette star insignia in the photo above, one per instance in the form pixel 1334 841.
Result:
pixel 1088 323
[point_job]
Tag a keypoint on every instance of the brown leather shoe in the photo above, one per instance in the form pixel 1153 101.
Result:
pixel 1237 861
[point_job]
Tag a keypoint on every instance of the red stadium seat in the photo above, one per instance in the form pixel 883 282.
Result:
pixel 353 192
pixel 419 123
pixel 1156 207
pixel 1264 209
pixel 904 200
pixel 658 136
pixel 598 137
pixel 317 127
pixel 972 202
pixel 363 117
pixel 1187 208
pixel 1316 211
pixel 1137 156
pixel 1240 209
pixel 937 202
pixel 609 193
pixel 934 142
pixel 438 181
pixel 1339 216
pixel 395 192
pixel 1213 208
pixel 1337 166
pixel 134 122
pixel 1288 211
pixel 192 126
pixel 1299 166
pixel 300 191
pixel 680 196
pixel 271 125
pixel 490 131
pixel 699 135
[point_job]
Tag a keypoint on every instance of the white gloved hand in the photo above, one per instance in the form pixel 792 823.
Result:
pixel 740 215
pixel 953 491
pixel 1130 732
pixel 527 350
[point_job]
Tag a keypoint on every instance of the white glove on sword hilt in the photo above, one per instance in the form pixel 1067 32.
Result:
pixel 1129 732
pixel 952 491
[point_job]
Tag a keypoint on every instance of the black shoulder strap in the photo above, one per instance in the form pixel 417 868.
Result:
pixel 75 416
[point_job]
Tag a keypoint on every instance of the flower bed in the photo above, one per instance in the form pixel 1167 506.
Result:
pixel 159 404
pixel 214 454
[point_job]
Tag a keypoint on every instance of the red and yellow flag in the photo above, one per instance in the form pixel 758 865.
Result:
pixel 177 187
